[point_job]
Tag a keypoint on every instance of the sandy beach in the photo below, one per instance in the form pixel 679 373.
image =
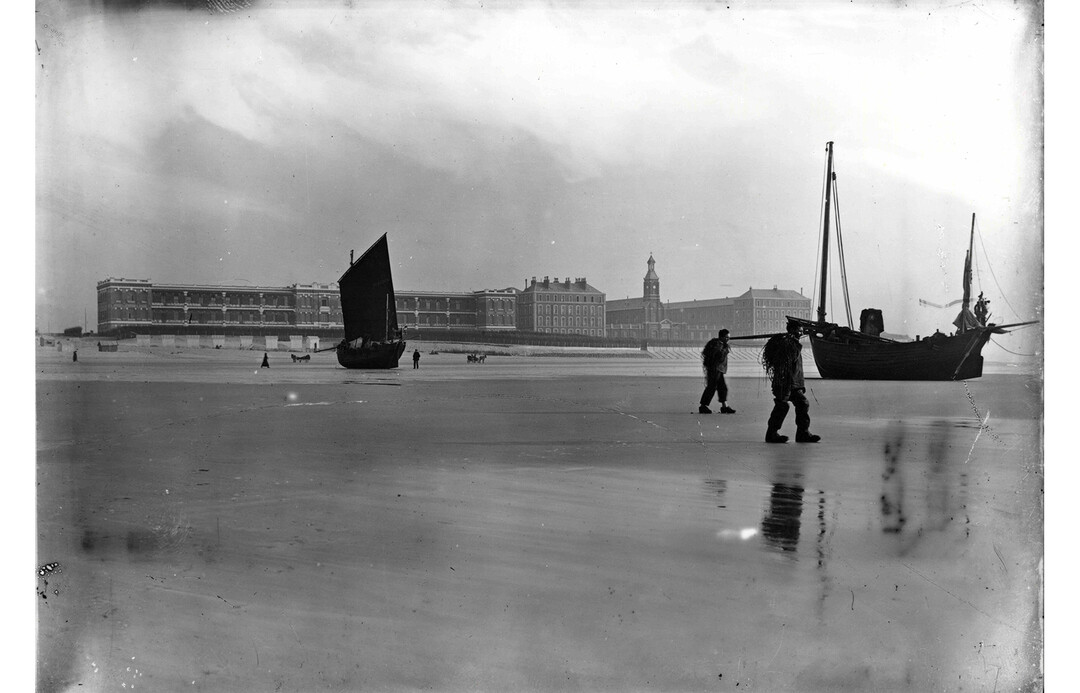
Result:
pixel 540 524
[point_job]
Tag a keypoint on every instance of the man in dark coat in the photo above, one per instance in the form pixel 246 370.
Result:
pixel 782 359
pixel 416 358
pixel 714 362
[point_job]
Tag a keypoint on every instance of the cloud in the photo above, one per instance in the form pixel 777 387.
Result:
pixel 487 133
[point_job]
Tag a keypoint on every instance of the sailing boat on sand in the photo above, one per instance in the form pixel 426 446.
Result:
pixel 845 353
pixel 372 336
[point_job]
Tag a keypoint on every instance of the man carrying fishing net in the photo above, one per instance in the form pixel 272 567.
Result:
pixel 782 358
pixel 714 359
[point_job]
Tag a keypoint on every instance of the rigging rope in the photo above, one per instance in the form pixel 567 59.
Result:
pixel 982 244
pixel 1011 352
pixel 840 254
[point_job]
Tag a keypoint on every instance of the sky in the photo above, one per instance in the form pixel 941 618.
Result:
pixel 497 142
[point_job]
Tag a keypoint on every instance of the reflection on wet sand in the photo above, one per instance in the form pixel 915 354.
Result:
pixel 780 527
pixel 922 450
pixel 519 534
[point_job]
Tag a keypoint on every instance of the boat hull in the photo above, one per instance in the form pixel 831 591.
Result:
pixel 935 358
pixel 383 355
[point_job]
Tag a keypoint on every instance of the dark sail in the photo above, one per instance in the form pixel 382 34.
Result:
pixel 966 320
pixel 367 296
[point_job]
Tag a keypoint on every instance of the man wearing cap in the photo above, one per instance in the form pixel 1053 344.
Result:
pixel 714 363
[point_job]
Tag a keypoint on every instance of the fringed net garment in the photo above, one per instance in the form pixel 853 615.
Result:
pixel 779 358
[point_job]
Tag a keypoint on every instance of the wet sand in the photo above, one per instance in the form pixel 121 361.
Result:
pixel 528 524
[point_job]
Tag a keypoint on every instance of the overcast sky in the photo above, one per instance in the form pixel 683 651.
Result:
pixel 499 142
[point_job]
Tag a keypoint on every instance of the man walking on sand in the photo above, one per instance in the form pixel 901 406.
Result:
pixel 714 362
pixel 782 359
pixel 416 359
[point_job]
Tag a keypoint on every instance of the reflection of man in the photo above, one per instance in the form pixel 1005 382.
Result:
pixel 781 524
pixel 714 359
pixel 782 359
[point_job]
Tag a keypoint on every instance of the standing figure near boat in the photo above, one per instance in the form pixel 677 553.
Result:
pixel 714 358
pixel 782 359
pixel 982 313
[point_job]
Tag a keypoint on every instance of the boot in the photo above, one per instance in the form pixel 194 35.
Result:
pixel 726 410
pixel 806 437
pixel 704 410
pixel 772 436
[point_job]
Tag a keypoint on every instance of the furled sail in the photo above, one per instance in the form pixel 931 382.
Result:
pixel 367 296
pixel 966 320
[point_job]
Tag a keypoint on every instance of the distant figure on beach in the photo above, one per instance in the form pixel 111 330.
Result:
pixel 415 359
pixel 782 359
pixel 714 363
pixel 266 360
pixel 982 313
pixel 75 355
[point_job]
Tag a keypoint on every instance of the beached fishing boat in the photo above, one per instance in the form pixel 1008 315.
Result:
pixel 846 353
pixel 372 336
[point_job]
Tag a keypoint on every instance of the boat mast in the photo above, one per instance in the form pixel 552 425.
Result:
pixel 967 267
pixel 825 237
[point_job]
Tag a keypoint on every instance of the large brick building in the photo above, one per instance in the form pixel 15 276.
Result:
pixel 561 307
pixel 487 309
pixel 137 305
pixel 140 306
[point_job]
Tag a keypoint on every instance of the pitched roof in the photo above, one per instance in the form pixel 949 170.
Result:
pixel 703 303
pixel 624 304
pixel 561 287
pixel 773 293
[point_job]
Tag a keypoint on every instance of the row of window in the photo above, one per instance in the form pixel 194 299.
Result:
pixel 768 302
pixel 560 321
pixel 556 330
pixel 313 301
pixel 217 300
pixel 133 296
pixel 548 309
pixel 563 298
pixel 417 304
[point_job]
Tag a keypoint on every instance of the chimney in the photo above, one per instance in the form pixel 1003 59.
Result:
pixel 547 282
